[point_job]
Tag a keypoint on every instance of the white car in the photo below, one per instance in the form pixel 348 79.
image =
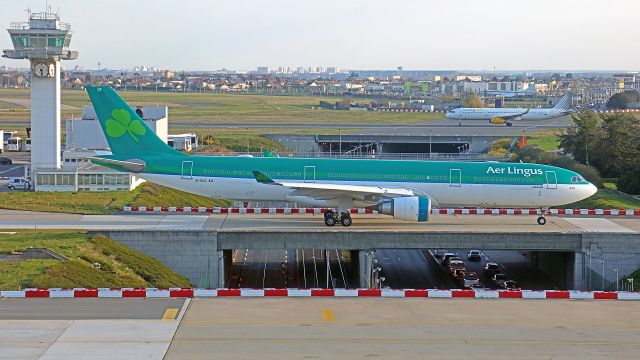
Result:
pixel 474 255
pixel 18 183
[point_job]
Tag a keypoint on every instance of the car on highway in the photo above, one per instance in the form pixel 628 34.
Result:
pixel 510 285
pixel 470 279
pixel 492 268
pixel 18 183
pixel 499 279
pixel 5 160
pixel 455 265
pixel 474 255
pixel 438 253
pixel 447 256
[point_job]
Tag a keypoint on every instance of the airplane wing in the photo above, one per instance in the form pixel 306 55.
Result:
pixel 323 191
pixel 515 116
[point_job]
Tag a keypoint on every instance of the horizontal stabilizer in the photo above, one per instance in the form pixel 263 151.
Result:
pixel 135 165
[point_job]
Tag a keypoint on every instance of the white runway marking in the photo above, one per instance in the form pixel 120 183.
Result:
pixel 598 225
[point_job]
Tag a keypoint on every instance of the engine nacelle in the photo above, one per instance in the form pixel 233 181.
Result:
pixel 408 208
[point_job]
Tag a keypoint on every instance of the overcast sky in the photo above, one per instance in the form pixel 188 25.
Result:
pixel 352 34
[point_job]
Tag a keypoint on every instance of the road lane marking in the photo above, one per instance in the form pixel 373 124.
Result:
pixel 170 314
pixel 11 169
pixel 431 323
pixel 328 315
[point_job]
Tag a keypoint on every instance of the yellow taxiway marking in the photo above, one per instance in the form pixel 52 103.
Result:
pixel 170 314
pixel 328 315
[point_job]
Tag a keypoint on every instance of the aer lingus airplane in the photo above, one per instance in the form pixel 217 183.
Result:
pixel 405 190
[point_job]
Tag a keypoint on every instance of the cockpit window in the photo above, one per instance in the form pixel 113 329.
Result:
pixel 577 179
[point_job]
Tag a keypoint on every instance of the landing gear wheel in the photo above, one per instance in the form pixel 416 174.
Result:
pixel 345 219
pixel 542 220
pixel 329 218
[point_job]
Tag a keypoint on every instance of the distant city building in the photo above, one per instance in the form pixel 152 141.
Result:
pixel 468 78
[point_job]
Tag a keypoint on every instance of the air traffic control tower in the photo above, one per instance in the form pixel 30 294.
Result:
pixel 44 40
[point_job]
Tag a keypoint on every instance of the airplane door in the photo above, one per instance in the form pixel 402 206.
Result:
pixel 187 170
pixel 455 178
pixel 552 180
pixel 309 174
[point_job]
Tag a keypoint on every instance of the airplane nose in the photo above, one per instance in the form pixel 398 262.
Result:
pixel 591 189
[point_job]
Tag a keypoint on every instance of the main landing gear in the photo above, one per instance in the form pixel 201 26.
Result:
pixel 331 218
pixel 541 219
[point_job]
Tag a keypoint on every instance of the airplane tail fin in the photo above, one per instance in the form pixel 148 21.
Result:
pixel 126 132
pixel 564 103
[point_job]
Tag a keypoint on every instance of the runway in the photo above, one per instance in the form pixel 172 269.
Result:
pixel 321 328
pixel 440 127
pixel 12 219
pixel 104 329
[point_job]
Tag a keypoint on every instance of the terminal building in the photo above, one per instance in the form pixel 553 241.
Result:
pixel 44 40
pixel 85 139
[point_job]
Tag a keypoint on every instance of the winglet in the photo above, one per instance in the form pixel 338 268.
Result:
pixel 262 178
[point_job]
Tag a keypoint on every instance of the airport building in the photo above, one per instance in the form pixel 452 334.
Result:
pixel 44 40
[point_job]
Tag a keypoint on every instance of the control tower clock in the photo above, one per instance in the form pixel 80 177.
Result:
pixel 44 70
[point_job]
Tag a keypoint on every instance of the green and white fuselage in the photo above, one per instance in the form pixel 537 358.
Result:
pixel 446 183
pixel 410 187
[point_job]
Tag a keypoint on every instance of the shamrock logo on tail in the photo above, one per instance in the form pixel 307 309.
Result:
pixel 121 123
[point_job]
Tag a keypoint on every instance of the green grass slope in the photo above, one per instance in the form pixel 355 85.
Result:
pixel 119 266
pixel 604 199
pixel 107 202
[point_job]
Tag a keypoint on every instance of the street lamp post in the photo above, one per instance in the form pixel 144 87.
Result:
pixel 617 278
pixel 340 140
pixel 602 261
pixel 586 148
pixel 430 133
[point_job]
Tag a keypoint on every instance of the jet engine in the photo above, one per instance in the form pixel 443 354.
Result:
pixel 408 208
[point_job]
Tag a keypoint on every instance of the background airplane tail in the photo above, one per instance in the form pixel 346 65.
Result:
pixel 126 132
pixel 565 103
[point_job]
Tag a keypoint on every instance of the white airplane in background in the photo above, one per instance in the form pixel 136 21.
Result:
pixel 531 90
pixel 506 115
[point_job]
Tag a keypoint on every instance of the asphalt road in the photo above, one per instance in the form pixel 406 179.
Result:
pixel 100 329
pixel 10 219
pixel 320 328
pixel 301 268
pixel 443 127
pixel 401 269
pixel 406 329
pixel 77 309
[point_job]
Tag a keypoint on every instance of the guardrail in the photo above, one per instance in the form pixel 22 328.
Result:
pixel 434 211
pixel 307 293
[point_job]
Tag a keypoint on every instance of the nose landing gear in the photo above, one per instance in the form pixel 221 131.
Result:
pixel 331 218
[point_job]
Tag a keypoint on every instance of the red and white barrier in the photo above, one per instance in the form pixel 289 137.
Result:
pixel 233 210
pixel 351 293
pixel 618 111
pixel 435 211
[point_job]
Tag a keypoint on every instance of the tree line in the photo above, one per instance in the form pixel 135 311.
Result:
pixel 608 143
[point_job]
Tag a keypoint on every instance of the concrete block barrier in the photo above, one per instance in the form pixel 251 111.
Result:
pixel 350 293
pixel 434 211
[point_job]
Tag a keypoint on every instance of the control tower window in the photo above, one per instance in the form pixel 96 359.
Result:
pixel 55 41
pixel 38 41
pixel 20 40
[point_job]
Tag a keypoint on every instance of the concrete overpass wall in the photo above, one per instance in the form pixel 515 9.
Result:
pixel 193 254
pixel 362 240
pixel 199 255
